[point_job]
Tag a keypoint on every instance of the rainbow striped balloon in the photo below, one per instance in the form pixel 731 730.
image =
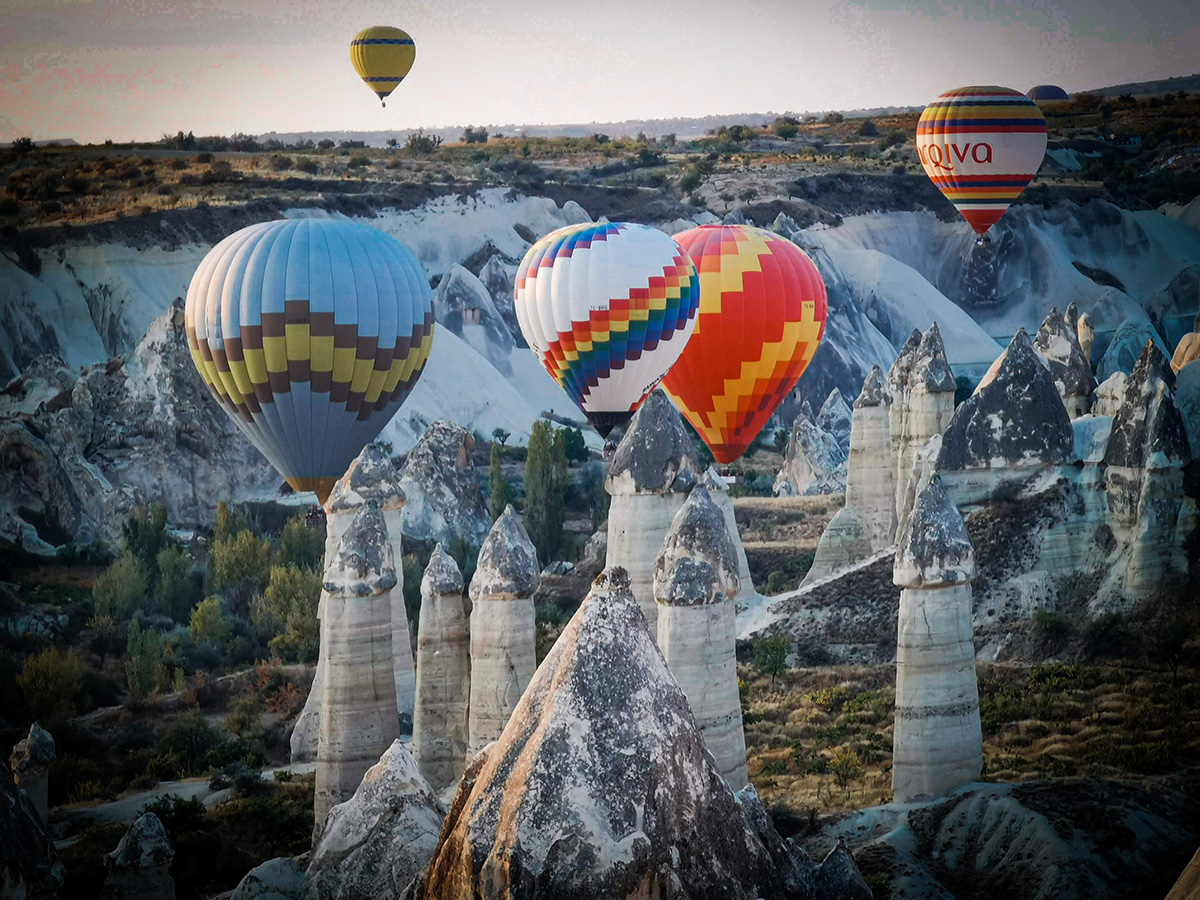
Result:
pixel 607 308
pixel 981 146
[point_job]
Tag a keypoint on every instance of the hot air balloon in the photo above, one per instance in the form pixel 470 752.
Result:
pixel 607 308
pixel 1047 94
pixel 981 146
pixel 310 333
pixel 382 56
pixel 762 315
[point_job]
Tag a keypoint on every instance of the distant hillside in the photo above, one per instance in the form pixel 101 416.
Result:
pixel 682 128
pixel 50 142
pixel 1163 86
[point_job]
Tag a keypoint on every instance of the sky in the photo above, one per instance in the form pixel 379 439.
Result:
pixel 137 69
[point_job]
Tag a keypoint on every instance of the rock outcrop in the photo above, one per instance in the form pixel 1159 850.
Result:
pixel 28 866
pixel 1086 332
pixel 695 580
pixel 834 417
pixel 923 401
pixel 30 761
pixel 503 655
pixel 1186 351
pixel 1145 456
pixel 843 543
pixel 276 879
pixel 814 462
pixel 444 499
pixel 380 839
pixel 443 673
pixel 358 703
pixel 1188 885
pixel 601 785
pixel 648 479
pixel 138 868
pixel 1109 395
pixel 937 743
pixel 1059 346
pixel 1015 418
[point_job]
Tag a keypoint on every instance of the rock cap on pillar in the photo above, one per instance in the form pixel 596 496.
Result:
pixel 33 751
pixel 897 375
pixel 935 549
pixel 1015 417
pixel 1058 343
pixel 929 366
pixel 874 390
pixel 362 565
pixel 441 575
pixel 697 564
pixel 507 562
pixel 1147 429
pixel 371 477
pixel 654 451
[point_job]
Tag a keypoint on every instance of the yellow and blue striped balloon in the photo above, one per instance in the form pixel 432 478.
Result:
pixel 310 333
pixel 382 56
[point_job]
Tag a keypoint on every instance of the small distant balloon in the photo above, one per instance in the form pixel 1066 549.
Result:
pixel 762 315
pixel 1047 94
pixel 981 146
pixel 310 333
pixel 382 56
pixel 607 308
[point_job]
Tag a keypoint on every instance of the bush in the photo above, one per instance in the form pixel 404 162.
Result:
pixel 308 166
pixel 299 545
pixel 192 747
pixel 845 767
pixel 281 163
pixel 51 683
pixel 34 183
pixel 1052 627
pixel 358 162
pixel 868 128
pixel 179 816
pixel 179 164
pixel 209 622
pixel 778 582
pixel 51 206
pixel 204 157
pixel 1107 635
pixel 244 716
pixel 73 779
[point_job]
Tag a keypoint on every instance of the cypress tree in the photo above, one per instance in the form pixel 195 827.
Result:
pixel 499 491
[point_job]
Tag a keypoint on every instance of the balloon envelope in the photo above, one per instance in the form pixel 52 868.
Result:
pixel 382 56
pixel 981 146
pixel 310 333
pixel 762 314
pixel 607 308
pixel 1047 93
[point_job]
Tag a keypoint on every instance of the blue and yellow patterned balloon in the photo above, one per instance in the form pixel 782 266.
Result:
pixel 382 56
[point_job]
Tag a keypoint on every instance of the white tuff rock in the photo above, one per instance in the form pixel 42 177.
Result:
pixel 443 673
pixel 695 580
pixel 444 499
pixel 503 645
pixel 30 762
pixel 138 867
pixel 937 744
pixel 925 403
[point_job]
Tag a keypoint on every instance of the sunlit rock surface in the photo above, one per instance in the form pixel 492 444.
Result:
pixel 1058 344
pixel 138 868
pixel 444 499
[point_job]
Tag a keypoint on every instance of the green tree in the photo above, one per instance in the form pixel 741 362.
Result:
pixel 545 489
pixel 175 592
pixel 290 602
pixel 786 127
pixel 210 622
pixel 868 129
pixel 845 767
pixel 499 490
pixel 299 545
pixel 51 683
pixel 239 567
pixel 143 661
pixel 144 534
pixel 574 445
pixel 122 588
pixel 771 653
pixel 747 195
pixel 501 435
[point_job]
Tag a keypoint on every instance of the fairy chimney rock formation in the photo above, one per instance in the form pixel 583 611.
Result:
pixel 834 417
pixel 814 462
pixel 137 869
pixel 381 838
pixel 937 743
pixel 870 480
pixel 1085 331
pixel 444 498
pixel 358 703
pixel 651 471
pixel 718 492
pixel 371 478
pixel 1015 418
pixel 443 673
pixel 1145 456
pixel 1059 346
pixel 695 580
pixel 502 628
pixel 30 761
pixel 1110 394
pixel 925 403
pixel 602 786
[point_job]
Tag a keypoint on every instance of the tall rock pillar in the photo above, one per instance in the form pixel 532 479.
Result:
pixel 358 704
pixel 30 762
pixel 443 673
pixel 651 472
pixel 937 744
pixel 718 492
pixel 1058 344
pixel 929 402
pixel 503 646
pixel 695 580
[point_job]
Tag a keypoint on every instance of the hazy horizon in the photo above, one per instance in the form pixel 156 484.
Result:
pixel 133 70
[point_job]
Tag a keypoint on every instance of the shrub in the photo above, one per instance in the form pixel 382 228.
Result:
pixel 121 589
pixel 845 767
pixel 308 166
pixel 179 164
pixel 1106 636
pixel 191 747
pixel 34 183
pixel 868 128
pixel 244 716
pixel 358 162
pixel 778 582
pixel 204 157
pixel 178 815
pixel 1051 626
pixel 299 545
pixel 280 163
pixel 209 622
pixel 51 683
pixel 165 190
pixel 73 779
